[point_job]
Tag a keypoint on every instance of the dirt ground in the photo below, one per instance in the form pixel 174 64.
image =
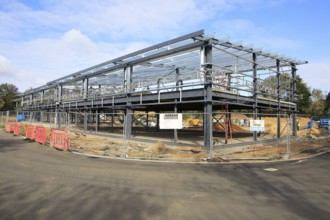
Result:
pixel 108 147
pixel 89 144
pixel 309 142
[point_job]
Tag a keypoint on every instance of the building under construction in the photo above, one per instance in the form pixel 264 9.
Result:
pixel 194 72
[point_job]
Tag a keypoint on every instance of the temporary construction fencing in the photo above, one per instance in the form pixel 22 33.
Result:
pixel 3 118
pixel 95 122
pixel 142 135
pixel 17 129
pixel 30 132
pixel 41 134
pixel 168 135
pixel 250 132
pixel 8 127
pixel 60 139
pixel 43 118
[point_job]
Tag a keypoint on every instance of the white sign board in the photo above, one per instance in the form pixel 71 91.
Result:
pixel 257 125
pixel 170 121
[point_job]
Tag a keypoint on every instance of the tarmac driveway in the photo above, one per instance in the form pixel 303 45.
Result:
pixel 38 182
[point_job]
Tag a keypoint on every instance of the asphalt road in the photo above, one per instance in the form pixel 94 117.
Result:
pixel 38 182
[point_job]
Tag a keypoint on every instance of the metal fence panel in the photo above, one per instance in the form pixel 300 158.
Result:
pixel 97 133
pixel 245 135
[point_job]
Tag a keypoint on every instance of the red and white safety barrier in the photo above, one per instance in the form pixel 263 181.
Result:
pixel 8 127
pixel 40 135
pixel 17 129
pixel 60 139
pixel 30 132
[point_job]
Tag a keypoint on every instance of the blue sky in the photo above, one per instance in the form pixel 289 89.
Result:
pixel 43 40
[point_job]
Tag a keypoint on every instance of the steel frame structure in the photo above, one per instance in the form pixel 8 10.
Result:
pixel 191 72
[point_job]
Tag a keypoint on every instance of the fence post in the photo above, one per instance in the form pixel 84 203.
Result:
pixel 57 119
pixel 175 130
pixel 123 149
pixel 30 117
pixel 7 117
pixel 294 124
pixel 85 120
pixel 96 120
pixel 255 115
pixel 288 150
pixel 128 124
pixel 76 120
pixel 278 123
pixel 112 120
pixel 211 138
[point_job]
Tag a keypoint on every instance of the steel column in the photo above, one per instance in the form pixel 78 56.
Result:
pixel 85 88
pixel 278 98
pixel 294 98
pixel 255 92
pixel 42 96
pixel 128 75
pixel 128 79
pixel 206 67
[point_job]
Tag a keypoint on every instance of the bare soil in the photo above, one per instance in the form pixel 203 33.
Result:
pixel 310 141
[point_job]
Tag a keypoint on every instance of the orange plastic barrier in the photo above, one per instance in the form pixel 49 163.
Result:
pixel 17 129
pixel 40 135
pixel 8 127
pixel 60 139
pixel 29 132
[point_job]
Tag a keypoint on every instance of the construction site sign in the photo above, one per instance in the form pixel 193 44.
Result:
pixel 257 125
pixel 170 121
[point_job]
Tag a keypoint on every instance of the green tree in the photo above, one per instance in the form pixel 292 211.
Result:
pixel 268 86
pixel 327 104
pixel 8 93
pixel 304 100
pixel 318 103
pixel 303 96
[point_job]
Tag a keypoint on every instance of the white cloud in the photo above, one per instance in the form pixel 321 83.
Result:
pixel 63 36
pixel 6 68
pixel 9 73
pixel 316 74
pixel 41 60
pixel 251 33
pixel 238 28
pixel 114 19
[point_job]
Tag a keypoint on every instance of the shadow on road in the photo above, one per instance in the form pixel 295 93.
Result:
pixel 286 189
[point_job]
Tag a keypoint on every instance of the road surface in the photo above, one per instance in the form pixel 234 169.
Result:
pixel 38 182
